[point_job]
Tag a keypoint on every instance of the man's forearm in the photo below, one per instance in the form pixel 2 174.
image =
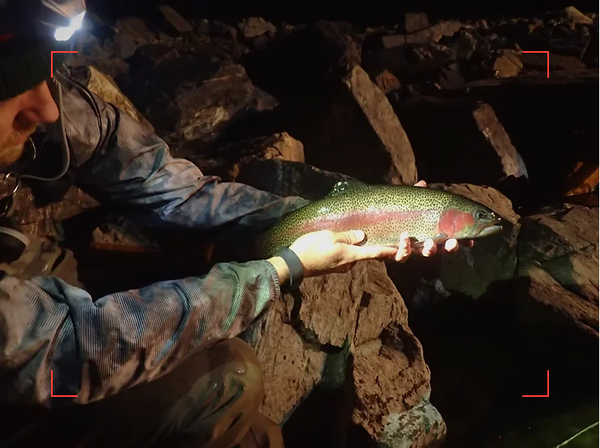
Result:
pixel 99 348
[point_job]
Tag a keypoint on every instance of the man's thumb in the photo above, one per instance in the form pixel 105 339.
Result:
pixel 351 237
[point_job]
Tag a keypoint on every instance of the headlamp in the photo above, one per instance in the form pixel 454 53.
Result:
pixel 64 33
pixel 64 16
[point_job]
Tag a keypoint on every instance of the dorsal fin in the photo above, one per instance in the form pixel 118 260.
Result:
pixel 344 185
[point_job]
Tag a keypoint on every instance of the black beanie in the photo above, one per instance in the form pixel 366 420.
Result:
pixel 26 63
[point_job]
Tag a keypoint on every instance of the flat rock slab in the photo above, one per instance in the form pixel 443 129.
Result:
pixel 459 141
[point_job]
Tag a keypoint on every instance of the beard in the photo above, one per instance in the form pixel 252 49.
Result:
pixel 11 149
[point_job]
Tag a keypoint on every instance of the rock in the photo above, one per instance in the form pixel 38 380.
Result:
pixel 290 366
pixel 256 26
pixel 565 245
pixel 539 61
pixel 322 50
pixel 583 179
pixel 467 43
pixel 285 178
pixel 203 27
pixel 415 21
pixel 469 144
pixel 201 91
pixel 227 161
pixel 137 29
pixel 352 121
pixel 450 77
pixel 577 17
pixel 387 82
pixel 106 88
pixel 393 40
pixel 434 33
pixel 176 20
pixel 389 373
pixel 420 426
pixel 365 309
pixel 223 31
pixel 507 64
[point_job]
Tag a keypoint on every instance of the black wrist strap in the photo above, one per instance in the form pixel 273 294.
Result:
pixel 294 265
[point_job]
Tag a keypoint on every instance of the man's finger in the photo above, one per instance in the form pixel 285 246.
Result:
pixel 350 237
pixel 356 253
pixel 403 248
pixel 451 245
pixel 421 183
pixel 468 243
pixel 429 248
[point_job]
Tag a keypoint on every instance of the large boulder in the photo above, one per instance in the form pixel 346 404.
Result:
pixel 558 253
pixel 342 336
pixel 190 90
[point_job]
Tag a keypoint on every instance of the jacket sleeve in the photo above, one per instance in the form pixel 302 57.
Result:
pixel 123 164
pixel 94 349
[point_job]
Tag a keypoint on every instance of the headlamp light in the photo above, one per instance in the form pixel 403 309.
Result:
pixel 65 17
pixel 65 32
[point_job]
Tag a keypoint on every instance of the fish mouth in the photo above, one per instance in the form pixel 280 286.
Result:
pixel 491 230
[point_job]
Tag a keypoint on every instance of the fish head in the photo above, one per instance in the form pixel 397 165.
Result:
pixel 471 221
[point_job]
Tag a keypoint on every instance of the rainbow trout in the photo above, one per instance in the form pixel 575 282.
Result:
pixel 383 212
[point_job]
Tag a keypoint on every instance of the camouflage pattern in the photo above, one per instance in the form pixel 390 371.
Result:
pixel 98 347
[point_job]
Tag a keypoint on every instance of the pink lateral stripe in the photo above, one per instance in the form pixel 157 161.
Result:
pixel 358 220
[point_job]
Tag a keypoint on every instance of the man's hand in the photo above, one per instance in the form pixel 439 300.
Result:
pixel 325 251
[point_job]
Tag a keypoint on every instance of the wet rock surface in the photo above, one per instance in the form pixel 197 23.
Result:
pixel 433 351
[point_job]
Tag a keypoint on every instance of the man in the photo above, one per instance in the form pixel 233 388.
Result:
pixel 153 365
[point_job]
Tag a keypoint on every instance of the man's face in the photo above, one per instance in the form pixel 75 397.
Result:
pixel 19 117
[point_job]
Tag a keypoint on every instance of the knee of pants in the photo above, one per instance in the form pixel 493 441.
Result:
pixel 236 359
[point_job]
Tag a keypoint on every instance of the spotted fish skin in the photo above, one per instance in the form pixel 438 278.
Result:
pixel 383 212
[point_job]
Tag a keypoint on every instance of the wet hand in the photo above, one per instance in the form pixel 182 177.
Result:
pixel 325 252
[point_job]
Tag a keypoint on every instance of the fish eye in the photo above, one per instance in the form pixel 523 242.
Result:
pixel 481 214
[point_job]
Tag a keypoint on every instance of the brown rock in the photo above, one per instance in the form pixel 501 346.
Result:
pixel 356 122
pixel 551 299
pixel 389 373
pixel 202 91
pixel 393 40
pixel 227 161
pixel 564 243
pixel 290 366
pixel 508 64
pixel 539 61
pixel 469 144
pixel 362 311
pixel 331 321
pixel 387 82
pixel 256 26
pixel 434 33
pixel 577 17
pixel 176 20
pixel 415 21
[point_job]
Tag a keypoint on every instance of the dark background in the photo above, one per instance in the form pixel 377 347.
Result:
pixel 359 12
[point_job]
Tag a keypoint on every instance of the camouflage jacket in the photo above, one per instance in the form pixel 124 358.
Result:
pixel 98 346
